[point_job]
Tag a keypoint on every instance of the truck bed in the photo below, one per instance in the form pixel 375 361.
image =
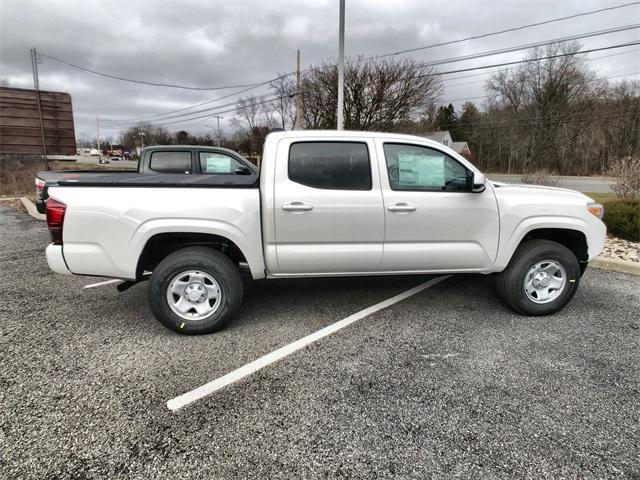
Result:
pixel 135 179
pixel 128 178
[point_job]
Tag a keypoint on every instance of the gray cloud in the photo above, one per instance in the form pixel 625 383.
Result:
pixel 213 43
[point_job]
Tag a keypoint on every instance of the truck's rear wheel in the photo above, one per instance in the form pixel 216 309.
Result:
pixel 195 290
pixel 540 279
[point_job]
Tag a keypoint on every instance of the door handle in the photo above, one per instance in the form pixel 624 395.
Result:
pixel 297 207
pixel 401 207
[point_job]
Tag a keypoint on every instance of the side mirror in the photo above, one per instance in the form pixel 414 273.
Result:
pixel 242 170
pixel 479 183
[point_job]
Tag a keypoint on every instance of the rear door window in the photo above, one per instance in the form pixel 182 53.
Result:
pixel 330 165
pixel 171 162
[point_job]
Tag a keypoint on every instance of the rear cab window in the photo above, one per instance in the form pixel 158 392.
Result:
pixel 340 165
pixel 171 162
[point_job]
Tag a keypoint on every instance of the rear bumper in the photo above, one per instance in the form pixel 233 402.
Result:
pixel 55 259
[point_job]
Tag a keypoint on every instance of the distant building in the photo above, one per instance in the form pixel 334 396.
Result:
pixel 444 137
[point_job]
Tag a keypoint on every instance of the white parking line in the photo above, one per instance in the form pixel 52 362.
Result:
pixel 252 367
pixel 99 284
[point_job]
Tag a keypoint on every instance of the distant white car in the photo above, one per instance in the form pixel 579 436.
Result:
pixel 103 160
pixel 326 203
pixel 115 159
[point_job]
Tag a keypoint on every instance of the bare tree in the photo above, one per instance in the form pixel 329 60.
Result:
pixel 248 113
pixel 270 115
pixel 544 102
pixel 284 88
pixel 379 94
pixel 144 133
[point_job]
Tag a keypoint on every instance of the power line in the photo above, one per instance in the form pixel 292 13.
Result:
pixel 169 117
pixel 528 123
pixel 503 69
pixel 193 112
pixel 534 122
pixel 156 84
pixel 213 100
pixel 513 29
pixel 444 102
pixel 624 75
pixel 256 85
pixel 209 115
pixel 463 58
pixel 515 62
pixel 530 45
pixel 435 74
pixel 438 62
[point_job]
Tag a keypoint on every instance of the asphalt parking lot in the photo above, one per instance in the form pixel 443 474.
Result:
pixel 448 382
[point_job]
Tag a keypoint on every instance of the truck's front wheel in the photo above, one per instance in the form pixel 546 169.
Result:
pixel 195 290
pixel 540 279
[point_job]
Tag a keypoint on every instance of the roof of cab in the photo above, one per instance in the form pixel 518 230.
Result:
pixel 350 134
pixel 188 147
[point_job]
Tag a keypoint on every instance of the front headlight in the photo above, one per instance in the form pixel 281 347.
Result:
pixel 597 209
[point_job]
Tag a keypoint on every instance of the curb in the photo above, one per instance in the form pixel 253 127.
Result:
pixel 616 265
pixel 31 209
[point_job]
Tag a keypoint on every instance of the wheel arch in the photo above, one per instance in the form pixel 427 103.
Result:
pixel 160 245
pixel 570 232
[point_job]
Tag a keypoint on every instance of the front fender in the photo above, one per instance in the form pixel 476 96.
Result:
pixel 509 243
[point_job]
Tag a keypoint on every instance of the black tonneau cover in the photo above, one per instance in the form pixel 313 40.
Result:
pixel 162 180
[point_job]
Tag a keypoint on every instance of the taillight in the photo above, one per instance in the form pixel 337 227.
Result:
pixel 39 185
pixel 54 211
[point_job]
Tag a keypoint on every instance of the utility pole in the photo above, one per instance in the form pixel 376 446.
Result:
pixel 98 136
pixel 340 115
pixel 36 86
pixel 298 124
pixel 218 117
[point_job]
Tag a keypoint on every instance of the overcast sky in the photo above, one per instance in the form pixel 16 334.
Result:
pixel 218 43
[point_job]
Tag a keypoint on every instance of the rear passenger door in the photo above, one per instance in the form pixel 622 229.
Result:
pixel 328 210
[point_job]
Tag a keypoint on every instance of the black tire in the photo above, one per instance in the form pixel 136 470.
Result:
pixel 209 261
pixel 511 281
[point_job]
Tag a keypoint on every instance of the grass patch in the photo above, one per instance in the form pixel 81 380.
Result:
pixel 602 197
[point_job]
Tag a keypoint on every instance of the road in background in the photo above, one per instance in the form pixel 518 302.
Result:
pixel 446 383
pixel 581 184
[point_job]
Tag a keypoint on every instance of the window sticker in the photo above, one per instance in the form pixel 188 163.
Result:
pixel 218 164
pixel 420 170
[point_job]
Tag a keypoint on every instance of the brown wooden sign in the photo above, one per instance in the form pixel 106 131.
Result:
pixel 20 122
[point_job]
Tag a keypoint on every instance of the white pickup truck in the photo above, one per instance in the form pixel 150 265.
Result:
pixel 325 203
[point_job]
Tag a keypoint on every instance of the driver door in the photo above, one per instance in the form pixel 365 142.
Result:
pixel 433 222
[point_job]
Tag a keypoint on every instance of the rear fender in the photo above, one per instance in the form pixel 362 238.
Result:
pixel 147 230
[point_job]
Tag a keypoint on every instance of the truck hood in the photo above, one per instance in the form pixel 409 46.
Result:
pixel 560 193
